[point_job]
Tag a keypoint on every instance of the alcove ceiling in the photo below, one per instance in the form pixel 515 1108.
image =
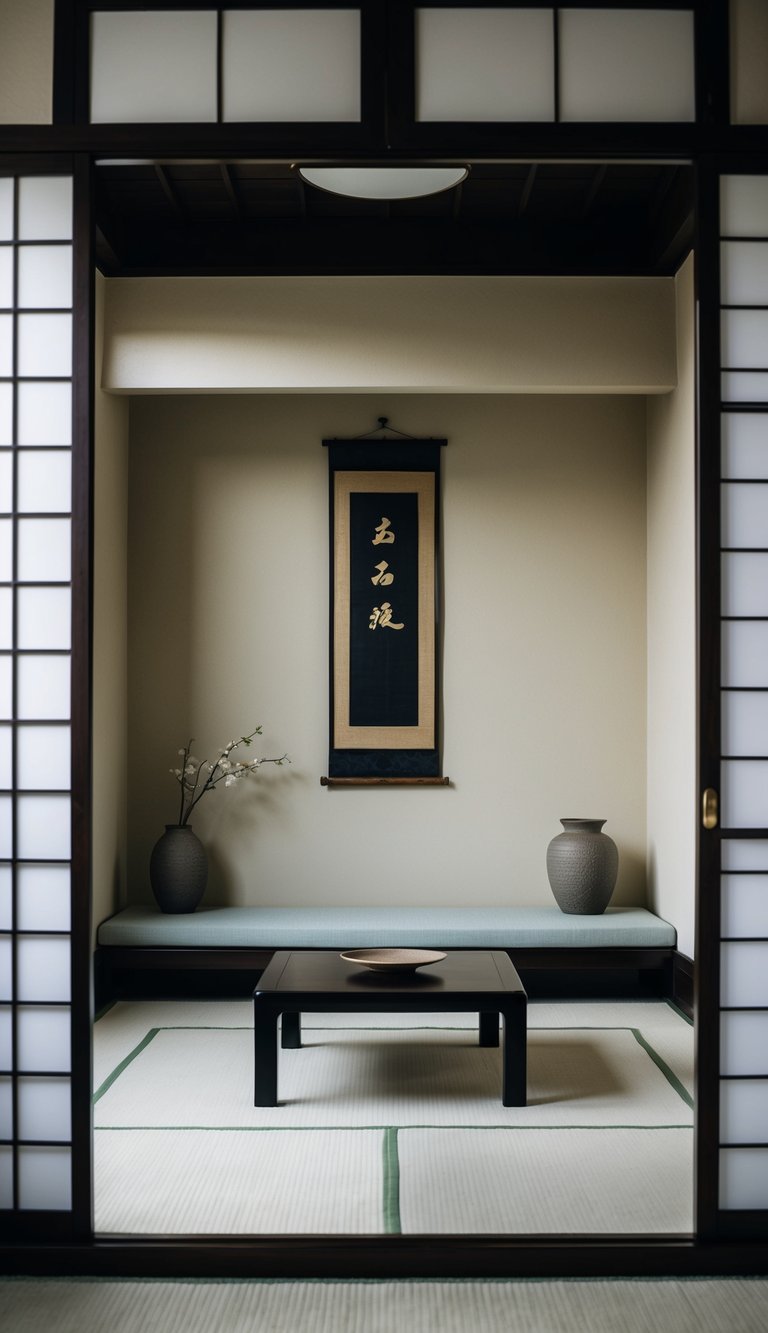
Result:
pixel 236 217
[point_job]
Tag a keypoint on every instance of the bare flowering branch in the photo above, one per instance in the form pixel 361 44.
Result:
pixel 198 776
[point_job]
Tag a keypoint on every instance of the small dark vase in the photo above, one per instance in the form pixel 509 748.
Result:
pixel 582 865
pixel 178 869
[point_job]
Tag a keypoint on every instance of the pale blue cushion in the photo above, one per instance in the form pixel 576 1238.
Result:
pixel 360 927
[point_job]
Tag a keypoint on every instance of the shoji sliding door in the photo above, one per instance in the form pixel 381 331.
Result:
pixel 733 1102
pixel 41 798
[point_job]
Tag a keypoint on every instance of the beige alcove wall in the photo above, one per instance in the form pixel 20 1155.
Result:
pixel 568 634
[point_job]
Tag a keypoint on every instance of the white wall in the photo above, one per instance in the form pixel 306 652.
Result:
pixel 26 62
pixel 110 635
pixel 544 658
pixel 672 795
pixel 441 335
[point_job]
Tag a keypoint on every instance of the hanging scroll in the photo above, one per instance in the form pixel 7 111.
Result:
pixel 384 655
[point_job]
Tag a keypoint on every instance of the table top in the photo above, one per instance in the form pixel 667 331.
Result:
pixel 321 972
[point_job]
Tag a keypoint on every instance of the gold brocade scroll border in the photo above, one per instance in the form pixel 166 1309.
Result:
pixel 422 736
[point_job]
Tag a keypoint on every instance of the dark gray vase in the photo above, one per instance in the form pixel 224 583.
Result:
pixel 582 864
pixel 178 869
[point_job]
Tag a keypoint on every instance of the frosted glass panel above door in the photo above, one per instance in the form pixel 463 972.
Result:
pixel 485 64
pixel 291 65
pixel 148 67
pixel 626 65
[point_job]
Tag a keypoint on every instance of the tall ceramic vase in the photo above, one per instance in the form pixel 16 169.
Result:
pixel 582 864
pixel 178 869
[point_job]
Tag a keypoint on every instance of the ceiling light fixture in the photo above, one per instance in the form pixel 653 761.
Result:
pixel 384 182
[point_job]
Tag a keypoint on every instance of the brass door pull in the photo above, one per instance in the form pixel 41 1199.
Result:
pixel 710 808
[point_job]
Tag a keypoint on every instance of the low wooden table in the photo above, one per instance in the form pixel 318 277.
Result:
pixel 313 981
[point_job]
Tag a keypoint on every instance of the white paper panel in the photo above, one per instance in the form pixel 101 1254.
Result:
pixel 42 687
pixel 44 550
pixel 43 896
pixel 6 482
pixel 43 967
pixel 744 906
pixel 744 205
pixel 301 64
pixel 6 414
pixel 45 277
pixel 6 618
pixel 6 277
pixel 745 584
pixel 485 64
pixel 744 854
pixel 6 686
pixel 149 67
pixel 744 444
pixel 43 827
pixel 5 826
pixel 6 968
pixel 744 660
pixel 44 345
pixel 45 1178
pixel 6 898
pixel 45 208
pixel 43 758
pixel 745 723
pixel 744 794
pixel 744 272
pixel 45 1108
pixel 744 339
pixel 44 482
pixel 744 1043
pixel 743 1178
pixel 44 618
pixel 6 1038
pixel 6 344
pixel 748 387
pixel 626 65
pixel 45 414
pixel 6 770
pixel 744 514
pixel 744 1111
pixel 6 1177
pixel 6 550
pixel 44 1039
pixel 743 975
pixel 6 209
pixel 6 1109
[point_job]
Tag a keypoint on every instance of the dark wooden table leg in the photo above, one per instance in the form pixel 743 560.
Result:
pixel 489 1028
pixel 514 1056
pixel 291 1036
pixel 264 1054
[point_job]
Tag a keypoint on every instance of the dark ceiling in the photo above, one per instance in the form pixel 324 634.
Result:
pixel 259 218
